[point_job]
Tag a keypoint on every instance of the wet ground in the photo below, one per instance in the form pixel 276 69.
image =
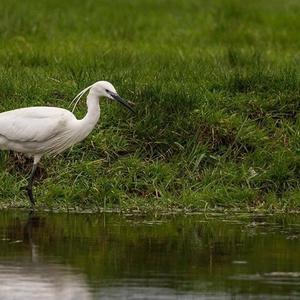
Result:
pixel 110 256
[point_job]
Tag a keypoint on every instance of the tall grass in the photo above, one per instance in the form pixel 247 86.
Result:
pixel 216 87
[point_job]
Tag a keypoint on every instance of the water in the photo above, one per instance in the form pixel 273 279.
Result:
pixel 109 256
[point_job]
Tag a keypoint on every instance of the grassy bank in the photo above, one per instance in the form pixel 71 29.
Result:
pixel 217 93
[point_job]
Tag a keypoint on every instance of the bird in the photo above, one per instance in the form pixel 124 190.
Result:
pixel 41 130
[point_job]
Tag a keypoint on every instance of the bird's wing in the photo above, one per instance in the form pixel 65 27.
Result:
pixel 35 124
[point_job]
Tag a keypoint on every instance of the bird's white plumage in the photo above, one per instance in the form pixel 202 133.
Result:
pixel 34 124
pixel 50 130
pixel 35 130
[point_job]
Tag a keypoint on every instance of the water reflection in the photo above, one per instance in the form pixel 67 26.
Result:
pixel 28 276
pixel 48 256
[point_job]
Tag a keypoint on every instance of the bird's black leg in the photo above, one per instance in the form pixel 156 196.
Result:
pixel 30 184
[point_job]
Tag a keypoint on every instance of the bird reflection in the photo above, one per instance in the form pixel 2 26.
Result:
pixel 31 274
pixel 33 222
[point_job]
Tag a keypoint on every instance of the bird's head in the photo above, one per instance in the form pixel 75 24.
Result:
pixel 104 89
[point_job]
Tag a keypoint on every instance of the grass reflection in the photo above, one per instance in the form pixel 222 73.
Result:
pixel 195 253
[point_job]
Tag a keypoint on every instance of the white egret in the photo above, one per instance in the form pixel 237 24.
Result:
pixel 38 131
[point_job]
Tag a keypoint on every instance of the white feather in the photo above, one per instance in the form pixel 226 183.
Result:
pixel 37 131
pixel 50 130
pixel 78 97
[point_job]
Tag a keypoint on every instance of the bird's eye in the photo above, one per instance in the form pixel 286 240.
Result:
pixel 107 91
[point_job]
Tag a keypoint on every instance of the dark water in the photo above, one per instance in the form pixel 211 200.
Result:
pixel 72 256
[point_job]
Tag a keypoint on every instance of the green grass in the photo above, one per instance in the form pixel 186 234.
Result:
pixel 217 92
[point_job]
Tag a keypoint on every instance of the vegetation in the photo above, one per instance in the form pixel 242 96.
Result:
pixel 217 94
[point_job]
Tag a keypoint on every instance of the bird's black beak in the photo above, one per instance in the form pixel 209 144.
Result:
pixel 122 101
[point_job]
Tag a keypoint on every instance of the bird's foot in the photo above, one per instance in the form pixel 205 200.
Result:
pixel 30 195
pixel 28 189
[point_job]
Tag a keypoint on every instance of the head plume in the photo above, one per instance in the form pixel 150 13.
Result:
pixel 78 97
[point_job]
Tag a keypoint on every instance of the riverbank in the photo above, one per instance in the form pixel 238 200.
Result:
pixel 216 90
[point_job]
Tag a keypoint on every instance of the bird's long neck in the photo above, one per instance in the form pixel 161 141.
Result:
pixel 93 113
